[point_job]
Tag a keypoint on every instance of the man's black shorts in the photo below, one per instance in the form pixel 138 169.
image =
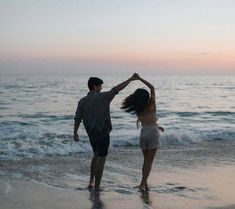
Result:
pixel 100 144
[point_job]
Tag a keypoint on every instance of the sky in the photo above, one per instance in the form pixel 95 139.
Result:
pixel 151 36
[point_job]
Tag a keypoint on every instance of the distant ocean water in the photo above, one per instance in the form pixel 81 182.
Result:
pixel 36 113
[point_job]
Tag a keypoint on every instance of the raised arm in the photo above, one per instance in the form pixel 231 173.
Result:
pixel 122 85
pixel 152 89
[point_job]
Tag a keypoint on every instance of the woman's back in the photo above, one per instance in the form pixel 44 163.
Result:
pixel 148 116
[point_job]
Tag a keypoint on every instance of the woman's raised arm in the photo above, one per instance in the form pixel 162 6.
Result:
pixel 152 89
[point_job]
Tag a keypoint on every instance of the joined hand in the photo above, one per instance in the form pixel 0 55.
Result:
pixel 135 76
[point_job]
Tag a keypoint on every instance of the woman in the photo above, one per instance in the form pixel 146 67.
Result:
pixel 144 106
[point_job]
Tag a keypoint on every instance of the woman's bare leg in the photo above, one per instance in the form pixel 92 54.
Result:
pixel 145 152
pixel 150 154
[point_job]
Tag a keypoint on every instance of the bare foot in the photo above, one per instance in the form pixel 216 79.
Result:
pixel 147 187
pixel 90 186
pixel 141 188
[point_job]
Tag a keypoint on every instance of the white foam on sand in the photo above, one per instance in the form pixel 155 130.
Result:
pixel 8 188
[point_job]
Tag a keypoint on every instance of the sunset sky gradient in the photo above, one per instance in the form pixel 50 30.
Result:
pixel 160 36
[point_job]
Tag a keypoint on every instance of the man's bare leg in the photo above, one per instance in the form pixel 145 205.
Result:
pixel 92 172
pixel 99 171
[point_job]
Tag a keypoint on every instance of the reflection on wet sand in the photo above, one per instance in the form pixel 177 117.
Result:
pixel 97 203
pixel 145 197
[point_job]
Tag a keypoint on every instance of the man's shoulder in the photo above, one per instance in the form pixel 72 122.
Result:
pixel 112 91
pixel 82 100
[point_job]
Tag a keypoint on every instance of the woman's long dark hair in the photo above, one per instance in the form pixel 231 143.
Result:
pixel 136 102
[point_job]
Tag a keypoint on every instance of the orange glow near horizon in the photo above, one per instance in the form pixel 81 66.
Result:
pixel 184 60
pixel 187 35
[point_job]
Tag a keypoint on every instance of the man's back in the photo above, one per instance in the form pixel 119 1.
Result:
pixel 95 111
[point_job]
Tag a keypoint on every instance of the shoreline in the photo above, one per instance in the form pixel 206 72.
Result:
pixel 197 177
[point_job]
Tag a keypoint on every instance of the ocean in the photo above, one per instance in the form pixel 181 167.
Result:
pixel 194 166
pixel 36 113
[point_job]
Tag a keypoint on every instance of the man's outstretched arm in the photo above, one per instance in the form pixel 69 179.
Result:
pixel 122 85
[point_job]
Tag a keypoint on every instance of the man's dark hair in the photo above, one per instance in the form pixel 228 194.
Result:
pixel 94 81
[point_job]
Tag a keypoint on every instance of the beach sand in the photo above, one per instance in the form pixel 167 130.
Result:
pixel 183 189
pixel 183 181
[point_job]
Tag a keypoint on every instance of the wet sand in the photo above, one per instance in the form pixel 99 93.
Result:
pixel 183 177
pixel 211 187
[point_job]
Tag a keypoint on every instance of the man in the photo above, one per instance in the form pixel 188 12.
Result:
pixel 94 110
